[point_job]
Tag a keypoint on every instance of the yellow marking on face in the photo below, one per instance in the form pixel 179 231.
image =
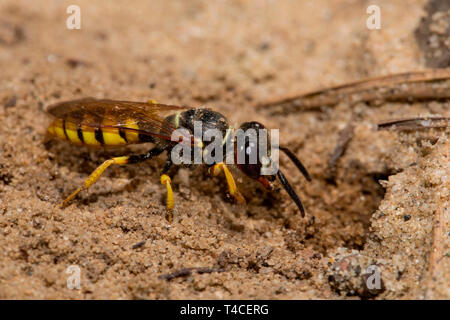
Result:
pixel 200 144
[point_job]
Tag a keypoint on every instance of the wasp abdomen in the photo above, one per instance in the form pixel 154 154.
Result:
pixel 107 134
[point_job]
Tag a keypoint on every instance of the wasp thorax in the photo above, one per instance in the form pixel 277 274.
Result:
pixel 210 132
pixel 206 120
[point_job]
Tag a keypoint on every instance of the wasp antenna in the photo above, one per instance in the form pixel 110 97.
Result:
pixel 291 192
pixel 297 162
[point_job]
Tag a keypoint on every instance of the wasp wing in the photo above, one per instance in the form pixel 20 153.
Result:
pixel 144 118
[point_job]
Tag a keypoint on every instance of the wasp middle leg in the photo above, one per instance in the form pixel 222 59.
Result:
pixel 165 179
pixel 93 177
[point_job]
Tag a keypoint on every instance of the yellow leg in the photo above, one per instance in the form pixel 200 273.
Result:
pixel 165 179
pixel 219 167
pixel 152 101
pixel 94 177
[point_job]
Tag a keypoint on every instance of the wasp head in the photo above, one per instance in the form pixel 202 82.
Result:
pixel 260 165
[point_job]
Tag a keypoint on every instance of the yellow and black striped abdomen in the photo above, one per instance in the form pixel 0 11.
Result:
pixel 106 134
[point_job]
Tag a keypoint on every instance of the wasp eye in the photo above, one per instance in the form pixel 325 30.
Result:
pixel 249 160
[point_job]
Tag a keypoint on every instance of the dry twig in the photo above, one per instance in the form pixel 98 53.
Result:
pixel 432 122
pixel 187 272
pixel 344 138
pixel 431 84
pixel 436 250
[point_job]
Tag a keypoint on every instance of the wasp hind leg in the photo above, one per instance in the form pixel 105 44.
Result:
pixel 100 169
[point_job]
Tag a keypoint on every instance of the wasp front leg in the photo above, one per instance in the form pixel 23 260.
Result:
pixel 216 169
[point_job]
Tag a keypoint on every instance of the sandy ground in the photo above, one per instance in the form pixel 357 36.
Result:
pixel 386 205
